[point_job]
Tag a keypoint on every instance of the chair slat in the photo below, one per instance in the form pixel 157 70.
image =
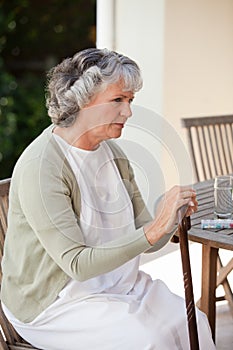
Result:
pixel 229 148
pixel 213 170
pixel 206 142
pixel 224 149
pixel 191 146
pixel 200 153
pixel 3 345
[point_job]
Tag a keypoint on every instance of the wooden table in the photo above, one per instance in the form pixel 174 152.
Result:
pixel 211 240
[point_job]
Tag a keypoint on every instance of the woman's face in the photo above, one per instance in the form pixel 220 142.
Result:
pixel 107 113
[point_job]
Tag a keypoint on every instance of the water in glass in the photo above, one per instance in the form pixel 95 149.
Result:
pixel 223 203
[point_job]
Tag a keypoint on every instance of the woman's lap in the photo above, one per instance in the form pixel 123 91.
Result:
pixel 150 318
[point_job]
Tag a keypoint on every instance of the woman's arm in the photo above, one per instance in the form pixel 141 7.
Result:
pixel 46 203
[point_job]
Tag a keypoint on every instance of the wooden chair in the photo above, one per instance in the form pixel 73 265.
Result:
pixel 211 145
pixel 210 141
pixel 9 338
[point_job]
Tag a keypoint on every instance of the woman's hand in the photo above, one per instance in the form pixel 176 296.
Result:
pixel 167 209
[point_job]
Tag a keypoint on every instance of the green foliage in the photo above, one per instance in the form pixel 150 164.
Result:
pixel 34 36
pixel 22 117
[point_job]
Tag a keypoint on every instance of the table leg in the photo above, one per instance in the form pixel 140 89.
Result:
pixel 208 286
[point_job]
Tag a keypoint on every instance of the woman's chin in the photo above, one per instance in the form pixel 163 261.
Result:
pixel 115 131
pixel 116 134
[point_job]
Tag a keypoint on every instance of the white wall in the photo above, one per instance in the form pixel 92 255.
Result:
pixel 198 58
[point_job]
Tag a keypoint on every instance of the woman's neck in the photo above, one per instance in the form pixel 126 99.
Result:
pixel 76 138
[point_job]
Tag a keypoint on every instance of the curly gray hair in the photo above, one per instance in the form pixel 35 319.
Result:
pixel 73 82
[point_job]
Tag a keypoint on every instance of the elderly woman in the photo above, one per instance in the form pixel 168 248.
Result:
pixel 78 224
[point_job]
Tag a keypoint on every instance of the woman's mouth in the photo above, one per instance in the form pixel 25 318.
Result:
pixel 121 125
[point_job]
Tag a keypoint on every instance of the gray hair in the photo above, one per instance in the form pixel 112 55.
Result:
pixel 73 82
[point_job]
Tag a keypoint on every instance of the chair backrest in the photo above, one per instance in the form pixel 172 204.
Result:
pixel 211 145
pixel 10 335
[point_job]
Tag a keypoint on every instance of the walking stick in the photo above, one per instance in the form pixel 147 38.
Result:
pixel 183 227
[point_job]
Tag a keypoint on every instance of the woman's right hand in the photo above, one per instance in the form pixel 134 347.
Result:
pixel 167 209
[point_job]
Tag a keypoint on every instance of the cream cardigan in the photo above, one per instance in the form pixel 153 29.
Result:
pixel 44 246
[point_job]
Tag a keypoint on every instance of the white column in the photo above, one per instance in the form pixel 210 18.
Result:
pixel 140 35
pixel 105 28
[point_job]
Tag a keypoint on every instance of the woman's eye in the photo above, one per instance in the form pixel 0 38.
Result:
pixel 118 99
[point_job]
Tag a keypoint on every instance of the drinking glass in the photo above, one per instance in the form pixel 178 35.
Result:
pixel 223 201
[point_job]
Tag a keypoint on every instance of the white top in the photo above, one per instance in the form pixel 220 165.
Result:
pixel 106 214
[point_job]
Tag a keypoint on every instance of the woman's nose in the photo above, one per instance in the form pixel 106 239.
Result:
pixel 126 110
